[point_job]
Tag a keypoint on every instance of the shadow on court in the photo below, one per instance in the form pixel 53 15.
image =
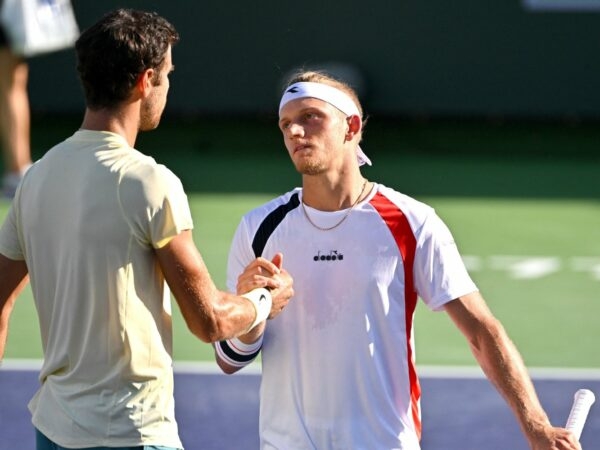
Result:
pixel 218 412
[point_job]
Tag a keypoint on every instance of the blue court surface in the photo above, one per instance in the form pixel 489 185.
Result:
pixel 461 411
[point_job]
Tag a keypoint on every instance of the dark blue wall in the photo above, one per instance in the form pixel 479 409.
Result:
pixel 416 57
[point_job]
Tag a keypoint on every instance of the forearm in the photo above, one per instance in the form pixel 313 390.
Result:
pixel 5 312
pixel 504 367
pixel 13 280
pixel 227 316
pixel 210 314
pixel 4 315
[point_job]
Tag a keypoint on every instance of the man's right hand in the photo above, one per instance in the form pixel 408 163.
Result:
pixel 270 274
pixel 282 294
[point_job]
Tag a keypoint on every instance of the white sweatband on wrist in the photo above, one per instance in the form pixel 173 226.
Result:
pixel 262 301
pixel 238 354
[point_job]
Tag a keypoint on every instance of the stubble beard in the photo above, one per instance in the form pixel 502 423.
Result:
pixel 310 167
pixel 149 120
pixel 151 113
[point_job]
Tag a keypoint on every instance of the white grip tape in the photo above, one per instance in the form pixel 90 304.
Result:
pixel 582 402
pixel 261 299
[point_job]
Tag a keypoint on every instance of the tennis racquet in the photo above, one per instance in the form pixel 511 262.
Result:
pixel 582 402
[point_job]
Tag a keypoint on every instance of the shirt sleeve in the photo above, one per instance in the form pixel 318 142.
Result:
pixel 440 273
pixel 156 205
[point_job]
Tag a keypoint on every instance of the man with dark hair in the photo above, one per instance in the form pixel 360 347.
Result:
pixel 103 232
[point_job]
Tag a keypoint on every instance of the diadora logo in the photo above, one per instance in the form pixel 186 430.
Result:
pixel 292 90
pixel 332 256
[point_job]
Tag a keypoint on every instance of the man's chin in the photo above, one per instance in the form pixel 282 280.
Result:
pixel 308 168
pixel 149 127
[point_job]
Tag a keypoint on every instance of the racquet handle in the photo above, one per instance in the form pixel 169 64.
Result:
pixel 582 402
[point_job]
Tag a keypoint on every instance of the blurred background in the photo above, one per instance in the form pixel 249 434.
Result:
pixel 503 95
pixel 428 59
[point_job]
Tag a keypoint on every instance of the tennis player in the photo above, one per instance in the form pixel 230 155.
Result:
pixel 14 115
pixel 101 229
pixel 338 366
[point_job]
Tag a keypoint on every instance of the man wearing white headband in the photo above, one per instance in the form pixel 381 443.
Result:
pixel 328 94
pixel 338 365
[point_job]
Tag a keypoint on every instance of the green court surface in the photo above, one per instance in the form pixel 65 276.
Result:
pixel 521 200
pixel 552 313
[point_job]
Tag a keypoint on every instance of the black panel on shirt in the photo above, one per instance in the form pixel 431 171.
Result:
pixel 271 222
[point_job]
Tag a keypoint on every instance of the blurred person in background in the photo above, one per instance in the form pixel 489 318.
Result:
pixel 14 116
pixel 104 234
pixel 27 28
pixel 338 366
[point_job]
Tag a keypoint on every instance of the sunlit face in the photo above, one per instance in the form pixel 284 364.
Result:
pixel 314 133
pixel 154 105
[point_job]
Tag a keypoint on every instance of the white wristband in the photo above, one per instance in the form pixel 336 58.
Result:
pixel 261 299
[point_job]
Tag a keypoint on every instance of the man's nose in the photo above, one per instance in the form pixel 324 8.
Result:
pixel 295 130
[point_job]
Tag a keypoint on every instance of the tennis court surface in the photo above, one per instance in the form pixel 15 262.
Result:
pixel 461 411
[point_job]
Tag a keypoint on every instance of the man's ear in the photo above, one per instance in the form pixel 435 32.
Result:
pixel 144 82
pixel 354 126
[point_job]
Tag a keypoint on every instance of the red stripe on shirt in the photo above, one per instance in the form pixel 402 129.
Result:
pixel 398 224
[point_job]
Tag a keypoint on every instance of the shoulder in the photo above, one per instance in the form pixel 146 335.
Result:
pixel 279 206
pixel 389 201
pixel 143 171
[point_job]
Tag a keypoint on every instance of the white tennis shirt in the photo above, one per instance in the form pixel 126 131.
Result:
pixel 86 220
pixel 339 363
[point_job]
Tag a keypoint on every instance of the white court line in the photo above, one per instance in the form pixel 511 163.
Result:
pixel 538 373
pixel 425 371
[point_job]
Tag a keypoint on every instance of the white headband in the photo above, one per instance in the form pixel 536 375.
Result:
pixel 328 94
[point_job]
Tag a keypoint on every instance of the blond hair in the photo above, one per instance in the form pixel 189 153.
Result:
pixel 315 76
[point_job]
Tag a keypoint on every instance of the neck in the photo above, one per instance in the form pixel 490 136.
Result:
pixel 325 195
pixel 118 121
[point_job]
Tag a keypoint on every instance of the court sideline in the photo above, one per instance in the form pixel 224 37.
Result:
pixel 461 411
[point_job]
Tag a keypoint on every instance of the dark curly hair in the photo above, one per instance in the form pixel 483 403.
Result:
pixel 113 52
